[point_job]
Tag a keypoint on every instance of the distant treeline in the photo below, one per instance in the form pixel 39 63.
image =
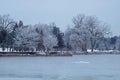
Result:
pixel 87 32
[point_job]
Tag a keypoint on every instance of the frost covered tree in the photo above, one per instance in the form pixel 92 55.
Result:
pixel 21 39
pixel 24 37
pixel 86 31
pixel 96 30
pixel 38 37
pixel 48 39
pixel 80 33
pixel 28 38
pixel 49 42
pixel 6 28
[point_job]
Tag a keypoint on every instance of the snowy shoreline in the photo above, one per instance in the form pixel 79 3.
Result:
pixel 31 54
pixel 35 54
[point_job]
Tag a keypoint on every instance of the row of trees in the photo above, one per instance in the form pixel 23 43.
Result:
pixel 86 33
pixel 20 37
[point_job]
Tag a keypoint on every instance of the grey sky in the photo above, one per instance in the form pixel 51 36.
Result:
pixel 62 11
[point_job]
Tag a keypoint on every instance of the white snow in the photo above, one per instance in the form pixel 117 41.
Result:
pixel 81 62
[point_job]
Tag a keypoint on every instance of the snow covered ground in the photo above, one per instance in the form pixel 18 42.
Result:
pixel 6 50
pixel 83 67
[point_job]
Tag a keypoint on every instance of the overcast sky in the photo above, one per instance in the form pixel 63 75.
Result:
pixel 62 11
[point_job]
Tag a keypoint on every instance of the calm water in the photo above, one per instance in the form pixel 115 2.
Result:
pixel 84 67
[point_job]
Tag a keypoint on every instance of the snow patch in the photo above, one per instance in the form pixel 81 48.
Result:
pixel 81 62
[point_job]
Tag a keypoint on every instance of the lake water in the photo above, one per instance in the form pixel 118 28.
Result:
pixel 82 67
